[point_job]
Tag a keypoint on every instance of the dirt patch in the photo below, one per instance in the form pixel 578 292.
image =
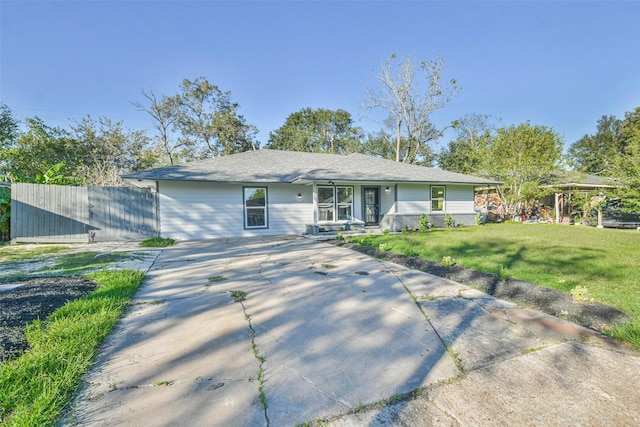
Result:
pixel 552 301
pixel 37 298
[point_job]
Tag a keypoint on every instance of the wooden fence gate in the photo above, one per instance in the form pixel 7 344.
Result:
pixel 54 213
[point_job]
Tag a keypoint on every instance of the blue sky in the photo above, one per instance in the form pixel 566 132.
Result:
pixel 558 64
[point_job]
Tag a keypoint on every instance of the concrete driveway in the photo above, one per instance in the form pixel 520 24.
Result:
pixel 281 331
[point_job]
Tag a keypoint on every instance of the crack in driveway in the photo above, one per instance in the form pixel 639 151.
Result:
pixel 316 388
pixel 261 360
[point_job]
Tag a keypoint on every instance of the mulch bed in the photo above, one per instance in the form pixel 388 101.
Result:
pixel 596 316
pixel 36 299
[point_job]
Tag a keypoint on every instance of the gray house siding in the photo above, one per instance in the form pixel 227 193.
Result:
pixel 201 210
pixel 205 199
pixel 413 200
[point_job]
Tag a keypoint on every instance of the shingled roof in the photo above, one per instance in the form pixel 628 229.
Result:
pixel 276 166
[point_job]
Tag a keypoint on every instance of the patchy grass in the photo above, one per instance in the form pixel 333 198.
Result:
pixel 157 242
pixel 28 253
pixel 78 263
pixel 37 386
pixel 54 261
pixel 602 261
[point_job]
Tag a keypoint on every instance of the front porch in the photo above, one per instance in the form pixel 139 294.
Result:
pixel 352 225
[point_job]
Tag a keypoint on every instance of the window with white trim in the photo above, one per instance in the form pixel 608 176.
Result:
pixel 437 198
pixel 255 207
pixel 335 203
pixel 344 201
pixel 325 204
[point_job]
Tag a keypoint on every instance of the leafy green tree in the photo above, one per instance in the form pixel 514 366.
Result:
pixel 594 153
pixel 105 150
pixel 468 151
pixel 40 148
pixel 523 157
pixel 5 212
pixel 8 134
pixel 52 176
pixel 317 131
pixel 625 166
pixel 209 122
pixel 409 95
pixel 95 151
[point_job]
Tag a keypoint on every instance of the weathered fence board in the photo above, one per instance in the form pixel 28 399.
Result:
pixel 52 213
pixel 122 213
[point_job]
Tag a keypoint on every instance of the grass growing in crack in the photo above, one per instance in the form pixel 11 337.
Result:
pixel 260 358
pixel 263 396
pixel 395 398
pixel 319 423
pixel 216 279
pixel 238 296
pixel 162 383
pixel 35 387
pixel 360 408
pixel 329 266
pixel 532 350
pixel 455 356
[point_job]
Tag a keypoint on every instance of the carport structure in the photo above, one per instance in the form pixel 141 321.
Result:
pixel 560 200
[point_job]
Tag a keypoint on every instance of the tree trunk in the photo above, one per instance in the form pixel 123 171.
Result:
pixel 398 138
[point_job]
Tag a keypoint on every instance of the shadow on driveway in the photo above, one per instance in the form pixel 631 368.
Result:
pixel 322 331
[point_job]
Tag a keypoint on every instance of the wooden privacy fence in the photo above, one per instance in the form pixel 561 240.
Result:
pixel 54 213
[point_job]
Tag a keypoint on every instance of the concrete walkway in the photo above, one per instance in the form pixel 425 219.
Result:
pixel 280 331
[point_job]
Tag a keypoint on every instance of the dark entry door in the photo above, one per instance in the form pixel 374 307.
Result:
pixel 371 205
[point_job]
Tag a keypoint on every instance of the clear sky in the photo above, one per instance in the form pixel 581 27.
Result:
pixel 558 64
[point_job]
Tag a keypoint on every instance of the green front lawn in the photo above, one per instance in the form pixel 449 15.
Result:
pixel 605 261
pixel 38 385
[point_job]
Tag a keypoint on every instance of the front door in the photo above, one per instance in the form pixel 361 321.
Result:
pixel 371 205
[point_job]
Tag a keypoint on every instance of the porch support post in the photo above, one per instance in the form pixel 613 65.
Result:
pixel 557 206
pixel 315 204
pixel 600 218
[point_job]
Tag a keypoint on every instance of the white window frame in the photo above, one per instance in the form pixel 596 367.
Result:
pixel 437 199
pixel 334 207
pixel 342 204
pixel 330 207
pixel 248 208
